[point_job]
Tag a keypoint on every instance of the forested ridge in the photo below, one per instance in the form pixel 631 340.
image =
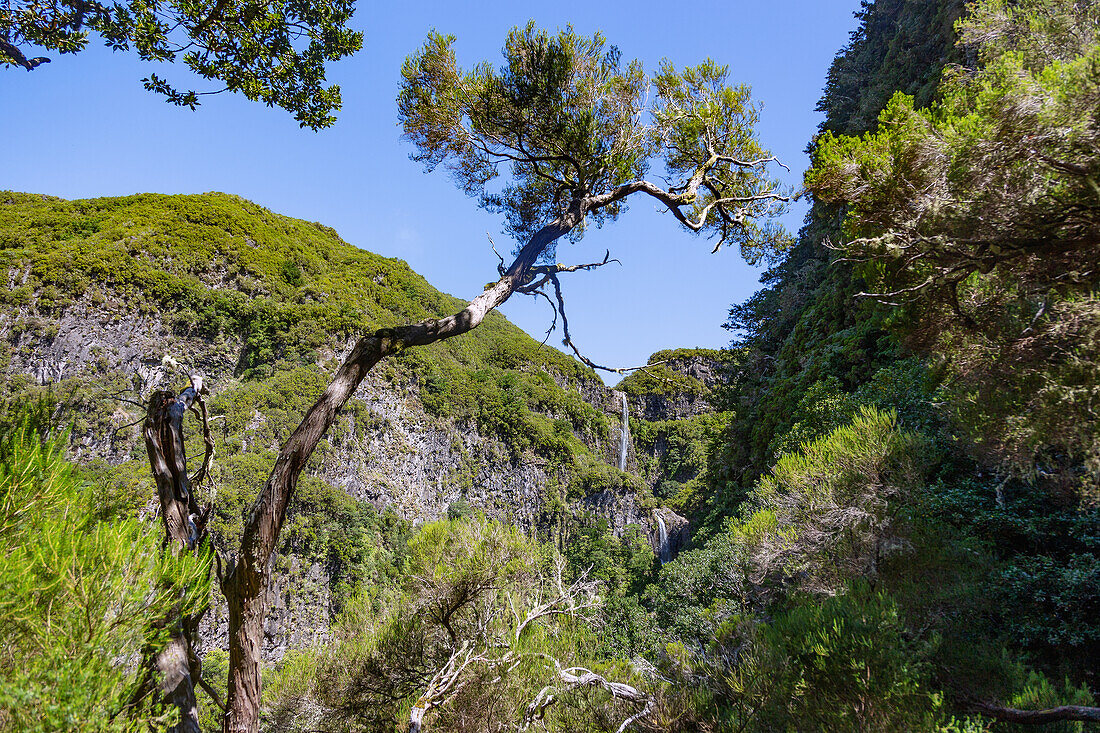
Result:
pixel 890 478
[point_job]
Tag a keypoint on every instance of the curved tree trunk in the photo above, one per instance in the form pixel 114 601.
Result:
pixel 245 582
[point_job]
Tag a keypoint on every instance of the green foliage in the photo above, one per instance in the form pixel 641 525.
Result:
pixel 986 572
pixel 459 509
pixel 575 127
pixel 565 90
pixel 1038 693
pixel 622 564
pixel 974 211
pixel 465 592
pixel 682 454
pixel 690 104
pixel 354 544
pixel 836 499
pixel 821 520
pixel 220 269
pixel 802 329
pixel 1037 585
pixel 1050 605
pixel 496 391
pixel 705 588
pixel 848 664
pixel 897 45
pixel 274 53
pixel 79 596
pixel 215 672
pixel 594 477
pixel 667 373
pixel 805 326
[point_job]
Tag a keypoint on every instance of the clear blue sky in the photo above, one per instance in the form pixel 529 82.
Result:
pixel 83 126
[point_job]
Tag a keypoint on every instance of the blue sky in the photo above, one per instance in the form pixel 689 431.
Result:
pixel 83 126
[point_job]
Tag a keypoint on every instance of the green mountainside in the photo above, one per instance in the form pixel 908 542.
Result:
pixel 990 568
pixel 873 512
pixel 110 298
pixel 278 295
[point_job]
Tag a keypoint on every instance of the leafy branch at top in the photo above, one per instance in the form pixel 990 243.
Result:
pixel 271 52
pixel 569 126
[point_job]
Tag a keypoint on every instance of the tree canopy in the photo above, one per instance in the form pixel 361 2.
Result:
pixel 983 214
pixel 577 129
pixel 272 52
pixel 578 132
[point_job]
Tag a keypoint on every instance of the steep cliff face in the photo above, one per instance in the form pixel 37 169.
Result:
pixel 676 385
pixel 673 424
pixel 110 299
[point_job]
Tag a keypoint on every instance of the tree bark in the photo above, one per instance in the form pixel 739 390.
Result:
pixel 1039 717
pixel 163 431
pixel 246 580
pixel 416 718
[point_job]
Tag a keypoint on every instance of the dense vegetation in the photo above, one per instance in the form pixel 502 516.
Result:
pixel 271 299
pixel 272 53
pixel 86 591
pixel 894 502
pixel 986 556
pixel 262 305
pixel 866 560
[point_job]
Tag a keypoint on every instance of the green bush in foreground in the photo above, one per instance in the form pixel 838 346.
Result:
pixel 80 597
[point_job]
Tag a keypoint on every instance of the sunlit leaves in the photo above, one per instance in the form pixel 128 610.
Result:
pixel 983 212
pixel 271 52
pixel 80 596
pixel 566 121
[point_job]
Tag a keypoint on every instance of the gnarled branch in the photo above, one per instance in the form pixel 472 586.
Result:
pixel 1039 717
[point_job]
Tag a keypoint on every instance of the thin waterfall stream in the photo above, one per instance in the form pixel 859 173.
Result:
pixel 663 550
pixel 624 435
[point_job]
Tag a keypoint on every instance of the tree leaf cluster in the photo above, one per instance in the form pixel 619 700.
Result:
pixel 274 52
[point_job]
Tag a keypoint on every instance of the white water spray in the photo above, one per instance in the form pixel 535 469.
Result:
pixel 663 550
pixel 624 435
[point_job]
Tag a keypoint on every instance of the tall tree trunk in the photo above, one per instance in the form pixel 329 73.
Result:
pixel 163 431
pixel 246 617
pixel 245 582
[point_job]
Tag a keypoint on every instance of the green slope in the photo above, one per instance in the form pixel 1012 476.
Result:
pixel 216 265
pixel 277 298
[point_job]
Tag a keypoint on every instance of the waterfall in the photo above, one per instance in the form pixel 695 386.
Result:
pixel 624 435
pixel 663 549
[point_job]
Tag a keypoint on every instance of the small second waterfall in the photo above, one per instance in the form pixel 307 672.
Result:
pixel 663 550
pixel 624 435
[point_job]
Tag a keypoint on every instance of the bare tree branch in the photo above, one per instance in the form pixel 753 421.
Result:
pixel 1039 717
pixel 571 678
pixel 208 439
pixel 567 339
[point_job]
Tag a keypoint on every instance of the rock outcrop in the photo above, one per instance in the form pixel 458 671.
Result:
pixel 103 343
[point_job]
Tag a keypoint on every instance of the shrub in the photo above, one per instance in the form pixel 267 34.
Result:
pixel 80 597
pixel 836 500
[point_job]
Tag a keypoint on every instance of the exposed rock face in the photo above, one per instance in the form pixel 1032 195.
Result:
pixel 407 459
pixel 677 533
pixel 674 406
pixel 104 296
pixel 703 371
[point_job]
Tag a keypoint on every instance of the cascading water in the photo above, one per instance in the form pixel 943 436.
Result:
pixel 624 435
pixel 663 550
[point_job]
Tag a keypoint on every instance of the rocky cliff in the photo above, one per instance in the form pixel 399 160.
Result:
pixel 109 299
